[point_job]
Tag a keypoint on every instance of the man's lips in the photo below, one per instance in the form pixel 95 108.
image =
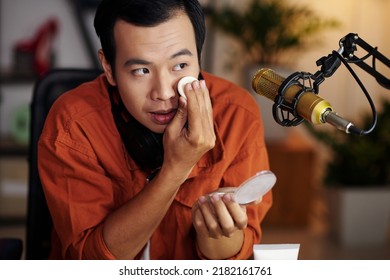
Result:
pixel 163 117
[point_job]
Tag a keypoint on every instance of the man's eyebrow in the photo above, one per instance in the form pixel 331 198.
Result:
pixel 136 61
pixel 182 52
pixel 139 61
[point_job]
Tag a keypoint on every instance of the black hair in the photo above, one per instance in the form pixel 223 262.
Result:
pixel 146 13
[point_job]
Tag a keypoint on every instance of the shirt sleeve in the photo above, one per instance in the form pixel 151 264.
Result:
pixel 73 181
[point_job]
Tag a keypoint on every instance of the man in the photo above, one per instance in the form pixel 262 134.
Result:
pixel 130 169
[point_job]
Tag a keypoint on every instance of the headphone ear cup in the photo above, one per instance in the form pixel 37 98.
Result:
pixel 144 146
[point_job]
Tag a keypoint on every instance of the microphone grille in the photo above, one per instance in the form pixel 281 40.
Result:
pixel 266 82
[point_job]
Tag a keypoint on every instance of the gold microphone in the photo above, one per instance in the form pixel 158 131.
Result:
pixel 309 106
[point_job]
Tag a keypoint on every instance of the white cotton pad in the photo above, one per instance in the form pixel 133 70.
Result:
pixel 183 81
pixel 255 187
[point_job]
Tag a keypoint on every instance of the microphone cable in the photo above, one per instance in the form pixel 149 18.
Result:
pixel 363 88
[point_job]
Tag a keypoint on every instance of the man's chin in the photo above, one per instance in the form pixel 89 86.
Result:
pixel 159 129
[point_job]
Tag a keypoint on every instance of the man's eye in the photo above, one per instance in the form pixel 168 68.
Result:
pixel 179 66
pixel 141 71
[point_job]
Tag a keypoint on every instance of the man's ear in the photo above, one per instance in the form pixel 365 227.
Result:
pixel 107 68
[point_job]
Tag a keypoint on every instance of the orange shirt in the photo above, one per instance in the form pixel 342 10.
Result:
pixel 86 172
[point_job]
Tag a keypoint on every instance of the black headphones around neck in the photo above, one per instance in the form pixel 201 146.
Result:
pixel 144 146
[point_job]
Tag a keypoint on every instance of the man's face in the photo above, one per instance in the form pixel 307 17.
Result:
pixel 149 63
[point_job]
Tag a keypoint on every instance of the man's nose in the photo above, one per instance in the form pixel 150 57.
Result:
pixel 164 88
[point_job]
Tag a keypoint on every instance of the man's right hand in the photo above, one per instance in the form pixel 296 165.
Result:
pixel 191 133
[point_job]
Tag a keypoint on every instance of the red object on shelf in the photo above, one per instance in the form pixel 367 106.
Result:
pixel 39 47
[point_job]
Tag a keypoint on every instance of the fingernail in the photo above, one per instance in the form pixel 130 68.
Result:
pixel 202 199
pixel 215 197
pixel 227 197
pixel 196 84
pixel 188 87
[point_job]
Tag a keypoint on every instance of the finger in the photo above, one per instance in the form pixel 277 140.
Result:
pixel 210 219
pixel 203 98
pixel 199 104
pixel 194 106
pixel 206 112
pixel 200 132
pixel 198 221
pixel 237 212
pixel 207 97
pixel 226 221
pixel 180 118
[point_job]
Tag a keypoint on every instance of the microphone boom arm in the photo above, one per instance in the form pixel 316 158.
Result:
pixel 349 43
pixel 329 64
pixel 348 46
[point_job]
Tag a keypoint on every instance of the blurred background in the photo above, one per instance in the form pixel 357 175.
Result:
pixel 316 203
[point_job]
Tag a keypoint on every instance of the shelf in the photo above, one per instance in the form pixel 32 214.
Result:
pixel 7 78
pixel 10 148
